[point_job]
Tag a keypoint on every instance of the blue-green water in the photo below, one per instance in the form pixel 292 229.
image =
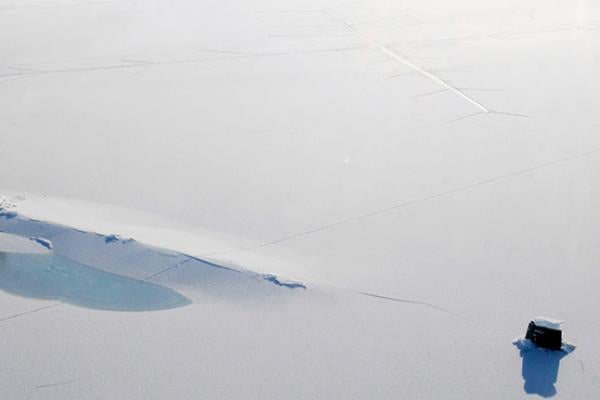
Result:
pixel 57 278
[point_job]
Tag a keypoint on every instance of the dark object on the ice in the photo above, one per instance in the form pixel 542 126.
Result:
pixel 545 332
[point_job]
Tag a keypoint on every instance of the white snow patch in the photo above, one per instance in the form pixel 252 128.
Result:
pixel 549 323
pixel 6 203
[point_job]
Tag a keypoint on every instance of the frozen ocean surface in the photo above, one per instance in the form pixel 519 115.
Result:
pixel 441 156
pixel 53 277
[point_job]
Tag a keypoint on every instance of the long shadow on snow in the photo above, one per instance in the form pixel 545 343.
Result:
pixel 539 369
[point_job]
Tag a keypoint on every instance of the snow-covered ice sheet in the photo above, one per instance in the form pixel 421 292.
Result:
pixel 441 157
pixel 243 327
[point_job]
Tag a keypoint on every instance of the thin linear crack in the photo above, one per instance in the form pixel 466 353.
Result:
pixel 466 116
pixel 401 74
pixel 409 203
pixel 393 28
pixel 62 383
pixel 54 6
pixel 382 20
pixel 310 35
pixel 388 51
pixel 134 64
pixel 431 93
pixel 30 312
pixel 480 89
pixel 180 263
pixel 509 114
pixel 377 14
pixel 139 62
pixel 416 302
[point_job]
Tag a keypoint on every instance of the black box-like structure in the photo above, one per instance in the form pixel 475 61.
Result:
pixel 544 336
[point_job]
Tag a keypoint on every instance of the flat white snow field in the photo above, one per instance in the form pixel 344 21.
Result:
pixel 298 199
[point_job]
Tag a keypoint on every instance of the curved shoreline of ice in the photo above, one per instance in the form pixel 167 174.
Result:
pixel 105 238
pixel 119 224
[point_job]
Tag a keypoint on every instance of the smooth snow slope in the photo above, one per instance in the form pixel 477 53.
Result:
pixel 245 337
pixel 436 152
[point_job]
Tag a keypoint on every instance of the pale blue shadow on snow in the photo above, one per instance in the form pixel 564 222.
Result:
pixel 48 276
pixel 540 368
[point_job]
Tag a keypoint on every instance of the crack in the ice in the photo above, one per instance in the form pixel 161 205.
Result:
pixel 135 64
pixel 155 274
pixel 416 302
pixel 431 93
pixel 54 6
pixel 389 14
pixel 471 115
pixel 274 279
pixel 480 89
pixel 409 203
pixel 394 28
pixel 404 61
pixel 188 259
pixel 400 74
pixel 30 312
pixel 382 20
pixel 62 383
pixel 583 368
pixel 509 114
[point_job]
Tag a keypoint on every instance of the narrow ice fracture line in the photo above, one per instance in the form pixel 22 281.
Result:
pixel 154 275
pixel 138 64
pixel 416 302
pixel 409 203
pixel 431 93
pixel 382 20
pixel 401 74
pixel 490 112
pixel 63 383
pixel 398 27
pixel 466 116
pixel 386 50
pixel 24 69
pixel 30 312
pixel 379 14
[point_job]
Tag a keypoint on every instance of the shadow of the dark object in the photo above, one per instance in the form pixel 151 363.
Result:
pixel 540 368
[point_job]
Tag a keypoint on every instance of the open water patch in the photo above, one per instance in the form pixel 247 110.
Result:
pixel 52 277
